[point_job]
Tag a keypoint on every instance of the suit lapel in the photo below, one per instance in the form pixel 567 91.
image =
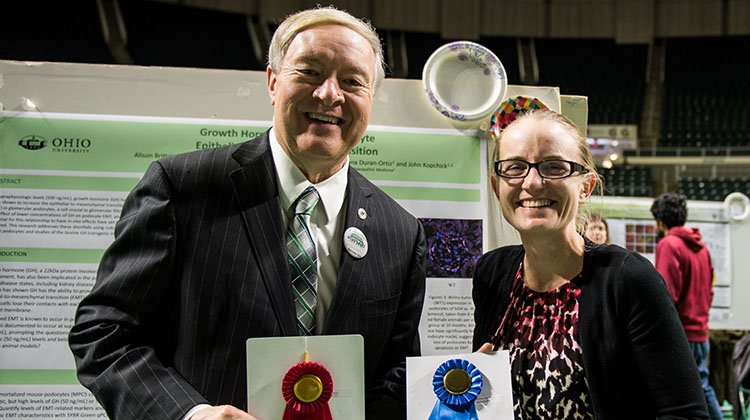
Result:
pixel 257 194
pixel 352 271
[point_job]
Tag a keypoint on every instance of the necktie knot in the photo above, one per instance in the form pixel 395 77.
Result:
pixel 306 201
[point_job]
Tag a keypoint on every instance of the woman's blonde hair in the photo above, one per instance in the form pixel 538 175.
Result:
pixel 300 21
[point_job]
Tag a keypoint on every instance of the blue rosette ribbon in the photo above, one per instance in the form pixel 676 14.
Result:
pixel 456 383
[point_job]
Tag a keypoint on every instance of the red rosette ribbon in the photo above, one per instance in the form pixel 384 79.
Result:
pixel 306 388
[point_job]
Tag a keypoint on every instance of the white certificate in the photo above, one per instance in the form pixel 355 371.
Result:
pixel 269 359
pixel 494 402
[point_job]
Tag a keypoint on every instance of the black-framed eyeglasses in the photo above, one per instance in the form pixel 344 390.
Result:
pixel 549 169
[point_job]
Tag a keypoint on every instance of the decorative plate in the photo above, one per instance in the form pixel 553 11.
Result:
pixel 464 80
pixel 737 206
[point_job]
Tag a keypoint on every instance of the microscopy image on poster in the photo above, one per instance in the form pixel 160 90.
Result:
pixel 453 247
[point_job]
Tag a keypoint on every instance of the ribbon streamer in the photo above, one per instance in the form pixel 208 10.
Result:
pixel 456 383
pixel 306 388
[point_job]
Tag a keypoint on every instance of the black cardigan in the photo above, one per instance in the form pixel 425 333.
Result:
pixel 635 353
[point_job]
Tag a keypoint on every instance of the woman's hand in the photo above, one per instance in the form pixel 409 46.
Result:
pixel 486 348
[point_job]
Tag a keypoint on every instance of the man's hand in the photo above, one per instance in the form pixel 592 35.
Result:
pixel 221 412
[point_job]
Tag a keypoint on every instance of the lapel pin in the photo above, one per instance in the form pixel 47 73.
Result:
pixel 355 242
pixel 362 213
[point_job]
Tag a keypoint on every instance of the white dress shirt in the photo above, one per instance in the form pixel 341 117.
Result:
pixel 326 225
pixel 327 220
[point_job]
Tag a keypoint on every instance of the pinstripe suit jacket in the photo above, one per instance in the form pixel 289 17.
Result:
pixel 198 265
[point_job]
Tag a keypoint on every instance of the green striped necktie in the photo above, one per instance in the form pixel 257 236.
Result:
pixel 303 260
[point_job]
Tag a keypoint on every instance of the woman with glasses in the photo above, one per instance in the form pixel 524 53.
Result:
pixel 591 330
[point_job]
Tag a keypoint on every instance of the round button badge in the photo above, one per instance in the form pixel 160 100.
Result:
pixel 355 242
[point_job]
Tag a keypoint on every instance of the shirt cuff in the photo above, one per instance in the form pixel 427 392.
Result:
pixel 195 410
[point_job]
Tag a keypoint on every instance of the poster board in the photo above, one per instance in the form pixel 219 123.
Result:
pixel 632 226
pixel 99 122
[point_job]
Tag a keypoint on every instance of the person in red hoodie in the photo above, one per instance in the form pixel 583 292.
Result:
pixel 684 262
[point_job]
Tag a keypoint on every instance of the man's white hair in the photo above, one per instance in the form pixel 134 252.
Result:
pixel 300 21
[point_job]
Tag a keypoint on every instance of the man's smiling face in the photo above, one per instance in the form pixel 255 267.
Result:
pixel 322 96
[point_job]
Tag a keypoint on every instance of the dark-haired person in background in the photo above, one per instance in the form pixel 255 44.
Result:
pixel 685 263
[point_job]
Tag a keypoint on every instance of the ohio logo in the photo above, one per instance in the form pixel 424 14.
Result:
pixel 32 142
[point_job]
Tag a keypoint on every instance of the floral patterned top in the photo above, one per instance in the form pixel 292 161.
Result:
pixel 540 331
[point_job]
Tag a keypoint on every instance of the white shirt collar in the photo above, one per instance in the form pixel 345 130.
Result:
pixel 292 181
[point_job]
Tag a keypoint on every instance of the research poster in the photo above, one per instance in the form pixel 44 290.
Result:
pixel 632 226
pixel 641 236
pixel 64 178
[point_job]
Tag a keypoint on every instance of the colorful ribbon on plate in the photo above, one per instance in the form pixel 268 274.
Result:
pixel 307 387
pixel 510 110
pixel 457 383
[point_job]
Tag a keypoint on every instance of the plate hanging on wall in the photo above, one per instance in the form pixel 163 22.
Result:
pixel 464 80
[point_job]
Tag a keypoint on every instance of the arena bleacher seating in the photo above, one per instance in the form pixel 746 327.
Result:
pixel 712 189
pixel 704 103
pixel 162 34
pixel 706 97
pixel 611 75
pixel 34 33
pixel 634 181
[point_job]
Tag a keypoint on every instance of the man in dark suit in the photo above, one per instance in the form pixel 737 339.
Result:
pixel 201 263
